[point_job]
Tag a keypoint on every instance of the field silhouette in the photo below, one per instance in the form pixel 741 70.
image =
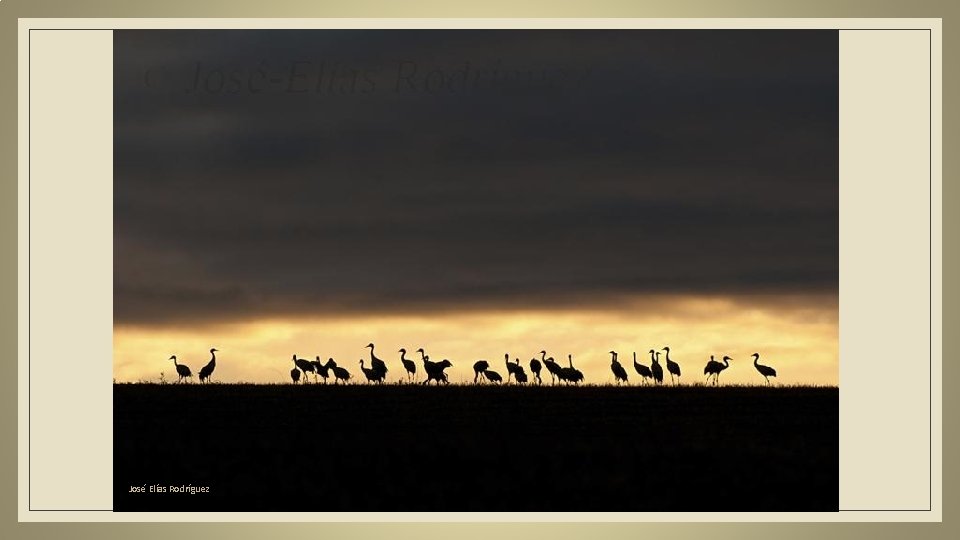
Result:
pixel 328 448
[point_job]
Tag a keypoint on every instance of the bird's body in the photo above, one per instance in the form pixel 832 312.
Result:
pixel 641 369
pixel 766 371
pixel 619 374
pixel 371 374
pixel 304 365
pixel 434 370
pixel 713 368
pixel 520 376
pixel 554 368
pixel 321 369
pixel 409 365
pixel 207 370
pixel 478 368
pixel 492 376
pixel 182 371
pixel 655 368
pixel 571 374
pixel 672 367
pixel 377 364
pixel 535 367
pixel 512 369
pixel 295 375
pixel 339 373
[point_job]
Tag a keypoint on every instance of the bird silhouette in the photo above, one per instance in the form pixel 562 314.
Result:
pixel 492 376
pixel 207 370
pixel 295 375
pixel 619 374
pixel 512 369
pixel 713 368
pixel 435 370
pixel 304 365
pixel 520 375
pixel 371 374
pixel 478 368
pixel 766 371
pixel 408 365
pixel 552 367
pixel 571 374
pixel 535 367
pixel 655 368
pixel 182 371
pixel 642 370
pixel 672 367
pixel 321 369
pixel 339 373
pixel 377 364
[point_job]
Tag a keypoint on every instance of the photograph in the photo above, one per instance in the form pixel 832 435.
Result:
pixel 476 270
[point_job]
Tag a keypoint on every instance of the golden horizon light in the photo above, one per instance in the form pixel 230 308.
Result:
pixel 796 334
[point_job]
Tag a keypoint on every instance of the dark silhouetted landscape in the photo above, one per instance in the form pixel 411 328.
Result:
pixel 322 448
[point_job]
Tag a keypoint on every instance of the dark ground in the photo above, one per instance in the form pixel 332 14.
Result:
pixel 460 448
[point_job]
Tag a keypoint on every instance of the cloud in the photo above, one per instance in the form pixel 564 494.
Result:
pixel 599 165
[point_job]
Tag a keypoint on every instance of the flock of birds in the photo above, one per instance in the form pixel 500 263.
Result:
pixel 436 371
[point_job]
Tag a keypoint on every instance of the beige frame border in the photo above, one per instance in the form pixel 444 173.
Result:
pixel 497 530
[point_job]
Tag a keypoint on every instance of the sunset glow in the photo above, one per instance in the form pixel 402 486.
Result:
pixel 796 335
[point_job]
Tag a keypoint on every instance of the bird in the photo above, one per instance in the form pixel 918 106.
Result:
pixel 655 369
pixel 339 373
pixel 642 370
pixel 182 371
pixel 512 369
pixel 295 375
pixel 321 369
pixel 520 376
pixel 408 365
pixel 478 368
pixel 619 374
pixel 377 364
pixel 207 370
pixel 766 371
pixel 304 365
pixel 372 374
pixel 713 368
pixel 535 367
pixel 570 374
pixel 435 370
pixel 552 366
pixel 672 367
pixel 492 376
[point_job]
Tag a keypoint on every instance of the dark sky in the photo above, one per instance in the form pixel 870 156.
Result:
pixel 323 172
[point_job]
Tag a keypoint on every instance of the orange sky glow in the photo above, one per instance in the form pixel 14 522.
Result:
pixel 796 334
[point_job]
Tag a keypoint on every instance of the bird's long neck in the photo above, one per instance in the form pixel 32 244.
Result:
pixel 634 358
pixel 174 360
pixel 652 359
pixel 422 355
pixel 371 353
pixel 667 357
pixel 543 355
pixel 755 358
pixel 402 355
pixel 570 359
pixel 213 357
